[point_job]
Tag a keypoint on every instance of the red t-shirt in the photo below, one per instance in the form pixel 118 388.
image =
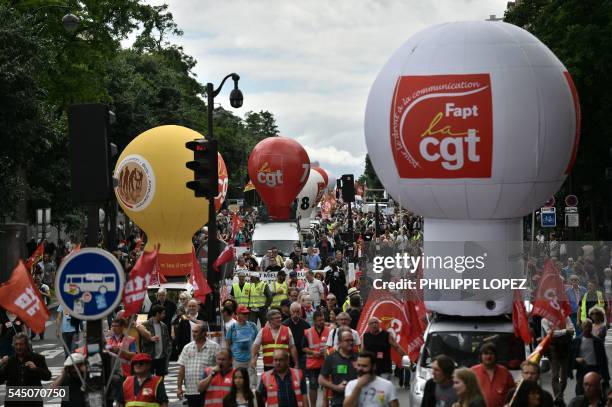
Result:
pixel 494 390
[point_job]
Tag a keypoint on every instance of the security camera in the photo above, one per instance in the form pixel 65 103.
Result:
pixel 236 98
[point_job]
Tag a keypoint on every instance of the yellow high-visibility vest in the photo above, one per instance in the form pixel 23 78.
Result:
pixel 257 299
pixel 583 310
pixel 241 296
pixel 278 297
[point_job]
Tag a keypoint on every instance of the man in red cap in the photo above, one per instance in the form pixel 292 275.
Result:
pixel 142 388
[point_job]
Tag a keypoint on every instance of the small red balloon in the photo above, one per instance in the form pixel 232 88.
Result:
pixel 223 182
pixel 278 168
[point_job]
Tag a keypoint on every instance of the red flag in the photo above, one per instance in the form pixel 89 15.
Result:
pixel 20 296
pixel 551 301
pixel 237 224
pixel 197 280
pixel 227 255
pixel 393 316
pixel 417 317
pixel 519 319
pixel 36 256
pixel 140 278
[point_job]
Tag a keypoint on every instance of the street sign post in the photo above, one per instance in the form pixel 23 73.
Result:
pixel 89 284
pixel 572 219
pixel 548 217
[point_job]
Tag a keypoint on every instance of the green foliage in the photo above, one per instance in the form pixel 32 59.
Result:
pixel 580 35
pixel 370 178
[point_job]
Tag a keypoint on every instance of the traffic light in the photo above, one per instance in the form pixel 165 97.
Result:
pixel 205 182
pixel 348 188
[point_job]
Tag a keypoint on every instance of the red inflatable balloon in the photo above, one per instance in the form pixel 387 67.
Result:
pixel 323 174
pixel 223 182
pixel 279 168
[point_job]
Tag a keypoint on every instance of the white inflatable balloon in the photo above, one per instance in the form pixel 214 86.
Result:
pixel 473 125
pixel 307 198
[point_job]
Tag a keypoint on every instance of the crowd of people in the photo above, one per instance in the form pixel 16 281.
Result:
pixel 302 326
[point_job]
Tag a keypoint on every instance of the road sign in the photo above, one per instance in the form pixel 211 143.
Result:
pixel 550 203
pixel 89 284
pixel 571 209
pixel 571 200
pixel 548 217
pixel 572 220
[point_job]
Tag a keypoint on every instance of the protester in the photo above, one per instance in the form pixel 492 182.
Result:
pixel 169 307
pixel 587 354
pixel 69 327
pixel 529 394
pixel 380 343
pixel 339 368
pixel 183 326
pixel 342 319
pixel 314 288
pixel 314 345
pixel 298 327
pixel 240 338
pixel 592 392
pixel 45 292
pixel 26 368
pixel 143 388
pixel 574 295
pixel 494 379
pixel 559 354
pixel 240 290
pixel 465 384
pixel 260 298
pixel 240 394
pixel 590 299
pixel 600 326
pixel 278 289
pixel 283 386
pixel 439 390
pixel 121 345
pixel 217 380
pixel 195 357
pixel 273 336
pixel 369 390
pixel 157 344
pixel 530 371
pixel 70 378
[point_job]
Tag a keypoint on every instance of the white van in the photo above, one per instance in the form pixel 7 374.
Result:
pixel 461 338
pixel 282 235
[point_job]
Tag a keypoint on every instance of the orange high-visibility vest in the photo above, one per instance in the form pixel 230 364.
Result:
pixel 316 342
pixel 219 387
pixel 124 344
pixel 269 345
pixel 147 397
pixel 269 381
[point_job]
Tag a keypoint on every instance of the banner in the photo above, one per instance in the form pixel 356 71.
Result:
pixel 140 278
pixel 519 319
pixel 36 257
pixel 20 296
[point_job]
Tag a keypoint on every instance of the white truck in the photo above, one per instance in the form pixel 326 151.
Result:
pixel 282 235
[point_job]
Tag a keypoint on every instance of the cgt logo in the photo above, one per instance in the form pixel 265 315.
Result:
pixel 266 176
pixel 441 126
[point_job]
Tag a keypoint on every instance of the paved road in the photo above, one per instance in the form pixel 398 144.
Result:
pixel 51 348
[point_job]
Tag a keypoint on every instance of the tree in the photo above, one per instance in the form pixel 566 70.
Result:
pixel 580 35
pixel 370 178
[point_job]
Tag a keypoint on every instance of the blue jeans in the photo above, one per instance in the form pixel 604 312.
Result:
pixel 68 338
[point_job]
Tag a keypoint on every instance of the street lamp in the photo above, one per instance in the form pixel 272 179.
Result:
pixel 236 100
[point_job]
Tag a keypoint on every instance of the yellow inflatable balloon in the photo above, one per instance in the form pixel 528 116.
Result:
pixel 151 177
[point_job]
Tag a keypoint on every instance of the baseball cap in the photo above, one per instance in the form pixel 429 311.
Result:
pixel 77 358
pixel 242 310
pixel 141 357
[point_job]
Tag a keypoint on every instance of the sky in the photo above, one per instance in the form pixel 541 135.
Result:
pixel 309 62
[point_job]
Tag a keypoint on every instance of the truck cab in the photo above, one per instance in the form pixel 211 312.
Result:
pixel 461 338
pixel 282 235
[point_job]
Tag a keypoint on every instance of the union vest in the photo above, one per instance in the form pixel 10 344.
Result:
pixel 269 381
pixel 124 344
pixel 269 345
pixel 275 286
pixel 219 387
pixel 241 296
pixel 147 397
pixel 316 343
pixel 257 299
pixel 583 310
